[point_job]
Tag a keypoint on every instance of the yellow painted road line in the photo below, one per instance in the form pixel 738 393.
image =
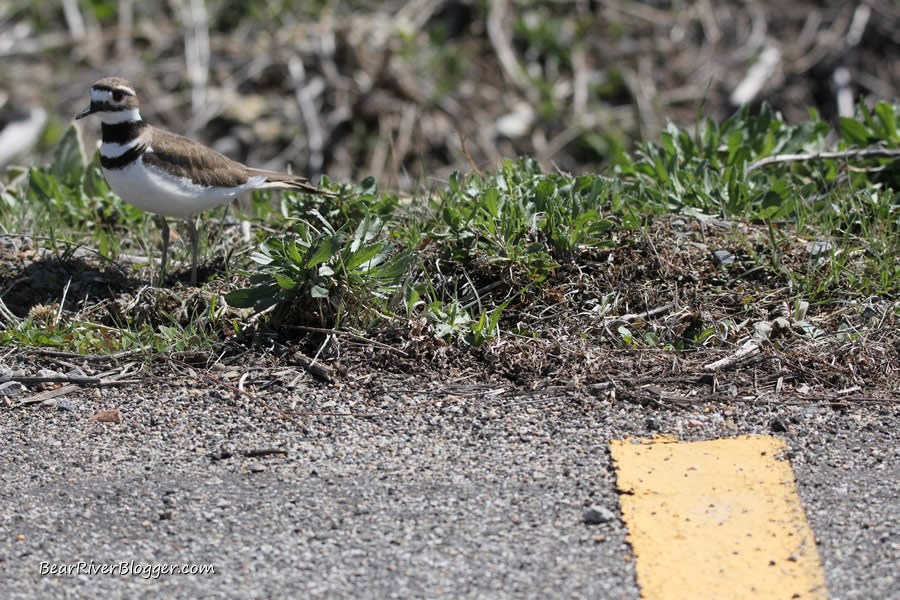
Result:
pixel 716 519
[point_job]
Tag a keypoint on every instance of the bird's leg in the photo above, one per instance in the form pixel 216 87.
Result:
pixel 164 227
pixel 195 247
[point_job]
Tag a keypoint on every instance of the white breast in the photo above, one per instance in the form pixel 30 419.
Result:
pixel 154 190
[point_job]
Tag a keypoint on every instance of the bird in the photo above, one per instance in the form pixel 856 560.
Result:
pixel 168 174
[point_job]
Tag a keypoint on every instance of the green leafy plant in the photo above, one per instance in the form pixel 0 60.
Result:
pixel 337 271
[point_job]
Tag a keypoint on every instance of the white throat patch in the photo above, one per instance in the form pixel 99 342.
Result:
pixel 112 117
pixel 111 150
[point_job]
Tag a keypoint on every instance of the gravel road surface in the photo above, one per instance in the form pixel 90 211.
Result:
pixel 466 492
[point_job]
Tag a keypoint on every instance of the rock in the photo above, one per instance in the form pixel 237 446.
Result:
pixel 67 405
pixel 801 309
pixel 108 416
pixel 819 248
pixel 223 452
pixel 780 325
pixel 596 514
pixel 11 389
pixel 722 257
pixel 762 330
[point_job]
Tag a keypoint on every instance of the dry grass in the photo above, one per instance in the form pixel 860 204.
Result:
pixel 389 89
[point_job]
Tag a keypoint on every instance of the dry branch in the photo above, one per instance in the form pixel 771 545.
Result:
pixel 846 154
pixel 107 378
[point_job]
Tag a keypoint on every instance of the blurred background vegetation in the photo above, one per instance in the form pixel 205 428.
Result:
pixel 411 90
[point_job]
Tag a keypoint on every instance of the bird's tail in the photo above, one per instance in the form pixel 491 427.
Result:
pixel 287 181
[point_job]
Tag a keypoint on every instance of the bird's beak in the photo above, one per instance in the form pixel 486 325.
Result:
pixel 88 111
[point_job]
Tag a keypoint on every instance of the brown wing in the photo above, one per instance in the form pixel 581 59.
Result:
pixel 199 163
pixel 205 166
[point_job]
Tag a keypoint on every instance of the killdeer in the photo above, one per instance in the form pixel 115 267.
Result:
pixel 168 174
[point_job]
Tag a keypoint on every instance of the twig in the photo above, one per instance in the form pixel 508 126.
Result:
pixel 74 19
pixel 314 368
pixel 648 313
pixel 503 48
pixel 303 95
pixel 89 357
pixel 848 154
pixel 858 24
pixel 36 379
pixel 62 302
pixel 640 84
pixel 124 33
pixel 222 453
pixel 462 145
pixel 196 50
pixel 7 315
pixel 259 315
pixel 255 452
pixel 849 390
pixel 748 349
pixel 61 391
pixel 757 76
pixel 349 334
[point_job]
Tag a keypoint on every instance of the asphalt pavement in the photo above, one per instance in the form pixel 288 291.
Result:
pixel 449 494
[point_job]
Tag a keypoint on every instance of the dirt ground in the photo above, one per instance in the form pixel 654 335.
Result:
pixel 653 319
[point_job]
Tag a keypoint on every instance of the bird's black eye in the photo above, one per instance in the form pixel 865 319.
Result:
pixel 118 95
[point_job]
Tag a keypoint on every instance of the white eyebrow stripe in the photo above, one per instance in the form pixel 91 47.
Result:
pixel 127 90
pixel 110 150
pixel 100 95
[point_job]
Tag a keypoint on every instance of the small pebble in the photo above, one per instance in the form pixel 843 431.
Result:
pixel 777 426
pixel 595 514
pixel 722 257
pixel 67 405
pixel 108 416
pixel 11 389
pixel 818 247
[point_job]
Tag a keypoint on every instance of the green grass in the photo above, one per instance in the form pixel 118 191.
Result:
pixel 457 260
